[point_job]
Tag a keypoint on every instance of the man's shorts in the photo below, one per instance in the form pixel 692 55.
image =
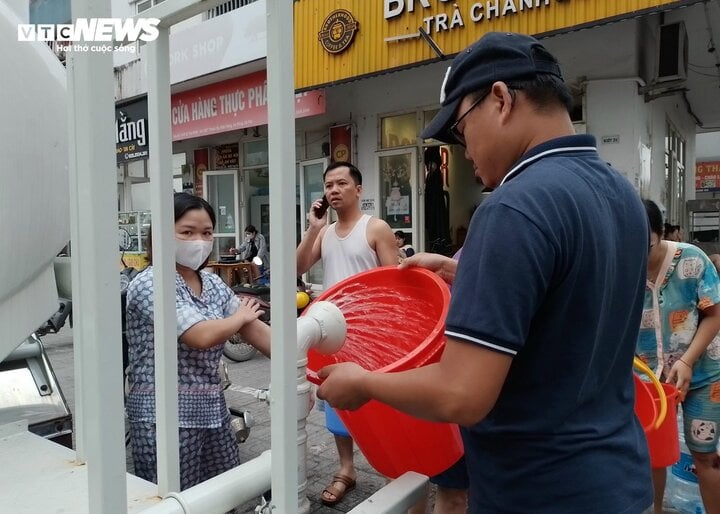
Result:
pixel 455 477
pixel 701 415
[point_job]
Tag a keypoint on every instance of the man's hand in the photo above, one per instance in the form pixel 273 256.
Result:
pixel 443 266
pixel 342 385
pixel 312 215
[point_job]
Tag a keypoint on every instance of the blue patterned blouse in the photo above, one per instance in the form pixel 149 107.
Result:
pixel 671 313
pixel 200 395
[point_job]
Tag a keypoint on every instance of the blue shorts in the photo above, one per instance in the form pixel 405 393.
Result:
pixel 701 415
pixel 455 477
pixel 333 422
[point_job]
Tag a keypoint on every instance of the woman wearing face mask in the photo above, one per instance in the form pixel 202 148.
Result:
pixel 253 245
pixel 208 313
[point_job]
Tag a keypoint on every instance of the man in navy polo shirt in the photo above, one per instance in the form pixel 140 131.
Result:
pixel 546 301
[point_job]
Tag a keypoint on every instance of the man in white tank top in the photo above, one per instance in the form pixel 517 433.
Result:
pixel 355 242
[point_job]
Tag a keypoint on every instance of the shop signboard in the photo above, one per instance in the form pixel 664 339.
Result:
pixel 131 131
pixel 236 37
pixel 227 156
pixel 201 158
pixel 366 38
pixel 232 104
pixel 707 176
pixel 341 137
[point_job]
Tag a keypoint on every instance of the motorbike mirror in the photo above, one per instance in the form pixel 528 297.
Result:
pixel 257 261
pixel 124 239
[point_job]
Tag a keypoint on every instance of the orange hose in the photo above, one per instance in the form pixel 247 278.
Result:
pixel 640 365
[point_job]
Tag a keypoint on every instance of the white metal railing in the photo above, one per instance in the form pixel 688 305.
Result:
pixel 94 228
pixel 58 49
pixel 226 7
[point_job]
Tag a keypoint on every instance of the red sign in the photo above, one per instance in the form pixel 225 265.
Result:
pixel 231 105
pixel 707 176
pixel 201 158
pixel 341 143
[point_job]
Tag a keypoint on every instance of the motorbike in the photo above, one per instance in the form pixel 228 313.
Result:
pixel 236 349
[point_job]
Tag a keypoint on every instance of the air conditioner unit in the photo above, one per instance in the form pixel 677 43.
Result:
pixel 672 54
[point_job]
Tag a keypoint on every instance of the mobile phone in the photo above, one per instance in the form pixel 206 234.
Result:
pixel 320 211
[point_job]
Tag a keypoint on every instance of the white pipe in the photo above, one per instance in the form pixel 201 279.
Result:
pixel 639 80
pixel 163 246
pixel 322 327
pixel 281 149
pixel 95 224
pixel 221 493
pixel 396 497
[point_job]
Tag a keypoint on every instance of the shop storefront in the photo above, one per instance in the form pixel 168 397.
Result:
pixel 381 63
pixel 221 130
pixel 132 150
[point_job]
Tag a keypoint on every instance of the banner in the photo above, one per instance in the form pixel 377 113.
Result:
pixel 131 131
pixel 707 176
pixel 341 143
pixel 231 105
pixel 201 158
pixel 227 156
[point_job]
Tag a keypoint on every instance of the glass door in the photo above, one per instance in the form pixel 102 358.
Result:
pixel 220 189
pixel 312 187
pixel 398 192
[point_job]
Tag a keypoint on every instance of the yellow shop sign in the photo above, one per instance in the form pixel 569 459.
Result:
pixel 341 40
pixel 474 13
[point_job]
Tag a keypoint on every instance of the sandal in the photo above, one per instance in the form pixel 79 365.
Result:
pixel 339 494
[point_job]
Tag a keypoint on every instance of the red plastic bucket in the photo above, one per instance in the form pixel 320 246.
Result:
pixel 663 441
pixel 395 322
pixel 645 407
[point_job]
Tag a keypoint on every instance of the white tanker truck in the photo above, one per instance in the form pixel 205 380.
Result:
pixel 34 212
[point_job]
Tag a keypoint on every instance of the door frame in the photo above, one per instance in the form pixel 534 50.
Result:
pixel 304 207
pixel 236 204
pixel 416 224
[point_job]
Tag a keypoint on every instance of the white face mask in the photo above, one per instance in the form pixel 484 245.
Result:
pixel 192 254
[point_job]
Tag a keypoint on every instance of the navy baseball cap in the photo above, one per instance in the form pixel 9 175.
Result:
pixel 497 56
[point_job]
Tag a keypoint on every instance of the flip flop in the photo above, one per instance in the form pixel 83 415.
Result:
pixel 338 493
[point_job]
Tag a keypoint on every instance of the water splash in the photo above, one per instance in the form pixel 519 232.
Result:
pixel 384 325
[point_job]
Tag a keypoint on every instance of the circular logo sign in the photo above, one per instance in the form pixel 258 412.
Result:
pixel 341 153
pixel 338 31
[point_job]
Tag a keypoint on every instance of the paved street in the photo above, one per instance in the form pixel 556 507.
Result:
pixel 322 459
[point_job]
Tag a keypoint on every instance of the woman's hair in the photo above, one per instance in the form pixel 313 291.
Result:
pixel 184 202
pixel 400 235
pixel 654 217
pixel 250 229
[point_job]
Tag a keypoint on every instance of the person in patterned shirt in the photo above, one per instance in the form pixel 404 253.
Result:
pixel 208 313
pixel 679 340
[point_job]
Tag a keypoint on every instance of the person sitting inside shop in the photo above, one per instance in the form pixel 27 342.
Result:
pixel 404 249
pixel 253 246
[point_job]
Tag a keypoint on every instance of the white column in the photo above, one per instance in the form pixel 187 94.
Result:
pixel 163 255
pixel 281 131
pixel 95 244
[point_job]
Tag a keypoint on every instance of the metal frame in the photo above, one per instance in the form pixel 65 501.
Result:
pixel 96 288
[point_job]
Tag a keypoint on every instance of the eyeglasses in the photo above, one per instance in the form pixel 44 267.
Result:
pixel 454 127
